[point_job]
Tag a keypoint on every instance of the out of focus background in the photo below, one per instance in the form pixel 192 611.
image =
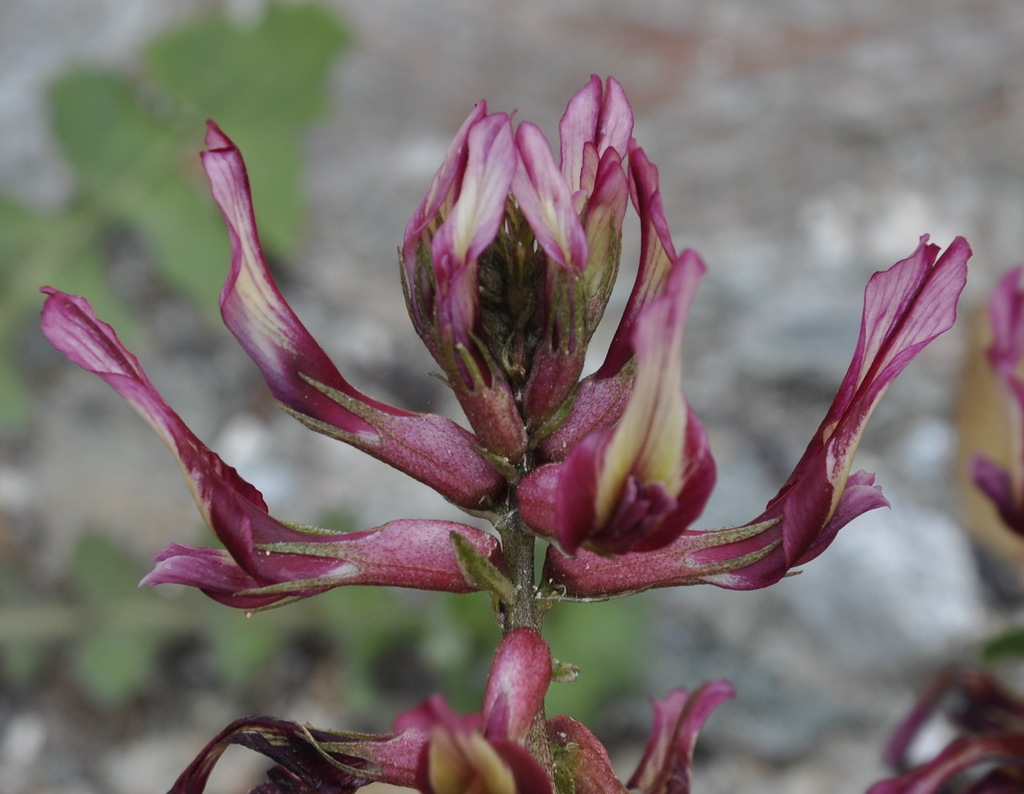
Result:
pixel 802 145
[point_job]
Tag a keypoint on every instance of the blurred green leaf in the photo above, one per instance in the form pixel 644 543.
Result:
pixel 115 146
pixel 1004 647
pixel 114 662
pixel 262 85
pixel 242 646
pixel 15 397
pixel 103 574
pixel 608 642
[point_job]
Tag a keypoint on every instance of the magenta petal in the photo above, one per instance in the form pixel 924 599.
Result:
pixel 265 552
pixel 323 761
pixel 412 553
pixel 905 308
pixel 544 198
pixel 657 257
pixel 438 201
pixel 636 486
pixel 430 448
pixel 477 213
pixel 603 118
pixel 516 687
pixel 665 766
pixel 1005 485
pixel 959 756
pixel 257 313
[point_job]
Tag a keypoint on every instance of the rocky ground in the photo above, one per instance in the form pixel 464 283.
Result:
pixel 802 144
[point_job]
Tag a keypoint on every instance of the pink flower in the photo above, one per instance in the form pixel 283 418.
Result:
pixel 264 560
pixel 430 448
pixel 905 308
pixel 637 485
pixel 487 753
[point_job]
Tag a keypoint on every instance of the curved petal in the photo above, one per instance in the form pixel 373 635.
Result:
pixel 905 308
pixel 1005 749
pixel 602 118
pixel 543 196
pixel 435 206
pixel 665 765
pixel 325 761
pixel 1005 485
pixel 638 485
pixel 410 553
pixel 517 684
pixel 430 448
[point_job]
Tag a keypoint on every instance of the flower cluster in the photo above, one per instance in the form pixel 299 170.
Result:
pixel 507 267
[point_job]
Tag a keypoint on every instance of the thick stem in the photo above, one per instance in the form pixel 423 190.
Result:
pixel 517 544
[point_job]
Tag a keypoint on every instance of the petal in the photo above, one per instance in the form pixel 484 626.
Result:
pixel 412 553
pixel 592 116
pixel 638 485
pixel 267 551
pixel 657 257
pixel 905 308
pixel 959 756
pixel 477 214
pixel 325 761
pixel 435 205
pixel 517 684
pixel 430 448
pixel 1005 486
pixel 544 198
pixel 579 754
pixel 665 765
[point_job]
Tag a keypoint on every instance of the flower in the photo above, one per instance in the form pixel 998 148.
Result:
pixel 264 560
pixel 1005 485
pixel 439 752
pixel 487 753
pixel 905 308
pixel 665 765
pixel 509 262
pixel 430 448
pixel 637 485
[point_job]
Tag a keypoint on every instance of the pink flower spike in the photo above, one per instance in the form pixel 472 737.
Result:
pixel 1005 485
pixel 665 766
pixel 543 197
pixel 430 448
